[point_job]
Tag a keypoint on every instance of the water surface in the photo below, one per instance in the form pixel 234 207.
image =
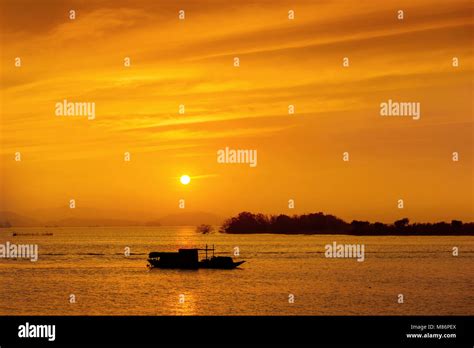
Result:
pixel 90 263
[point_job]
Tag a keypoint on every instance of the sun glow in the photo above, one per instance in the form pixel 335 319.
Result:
pixel 185 179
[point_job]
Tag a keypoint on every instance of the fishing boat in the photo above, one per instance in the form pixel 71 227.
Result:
pixel 189 259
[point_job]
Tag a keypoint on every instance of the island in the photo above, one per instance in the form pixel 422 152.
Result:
pixel 319 223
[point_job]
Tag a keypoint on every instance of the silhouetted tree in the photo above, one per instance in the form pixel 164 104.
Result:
pixel 319 223
pixel 400 224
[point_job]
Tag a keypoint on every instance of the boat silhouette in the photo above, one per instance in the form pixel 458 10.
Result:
pixel 189 259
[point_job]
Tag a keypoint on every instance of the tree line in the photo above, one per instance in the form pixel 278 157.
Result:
pixel 319 223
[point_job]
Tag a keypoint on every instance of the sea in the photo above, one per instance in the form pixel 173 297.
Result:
pixel 103 271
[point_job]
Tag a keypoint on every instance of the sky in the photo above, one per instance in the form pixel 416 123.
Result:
pixel 283 62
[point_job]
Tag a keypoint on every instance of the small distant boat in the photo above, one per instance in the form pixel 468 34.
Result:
pixel 15 234
pixel 204 229
pixel 189 259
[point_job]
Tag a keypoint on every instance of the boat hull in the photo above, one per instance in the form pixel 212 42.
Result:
pixel 213 263
pixel 219 265
pixel 188 259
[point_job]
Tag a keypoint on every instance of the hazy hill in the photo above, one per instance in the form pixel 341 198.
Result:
pixel 8 217
pixel 190 218
pixel 66 220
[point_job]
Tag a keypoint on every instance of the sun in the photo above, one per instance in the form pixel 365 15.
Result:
pixel 185 179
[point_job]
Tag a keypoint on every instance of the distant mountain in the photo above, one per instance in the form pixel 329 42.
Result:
pixel 190 219
pixel 8 218
pixel 153 223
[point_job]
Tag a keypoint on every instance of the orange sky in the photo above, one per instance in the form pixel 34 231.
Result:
pixel 283 62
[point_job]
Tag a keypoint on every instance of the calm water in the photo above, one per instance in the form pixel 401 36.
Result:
pixel 90 263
